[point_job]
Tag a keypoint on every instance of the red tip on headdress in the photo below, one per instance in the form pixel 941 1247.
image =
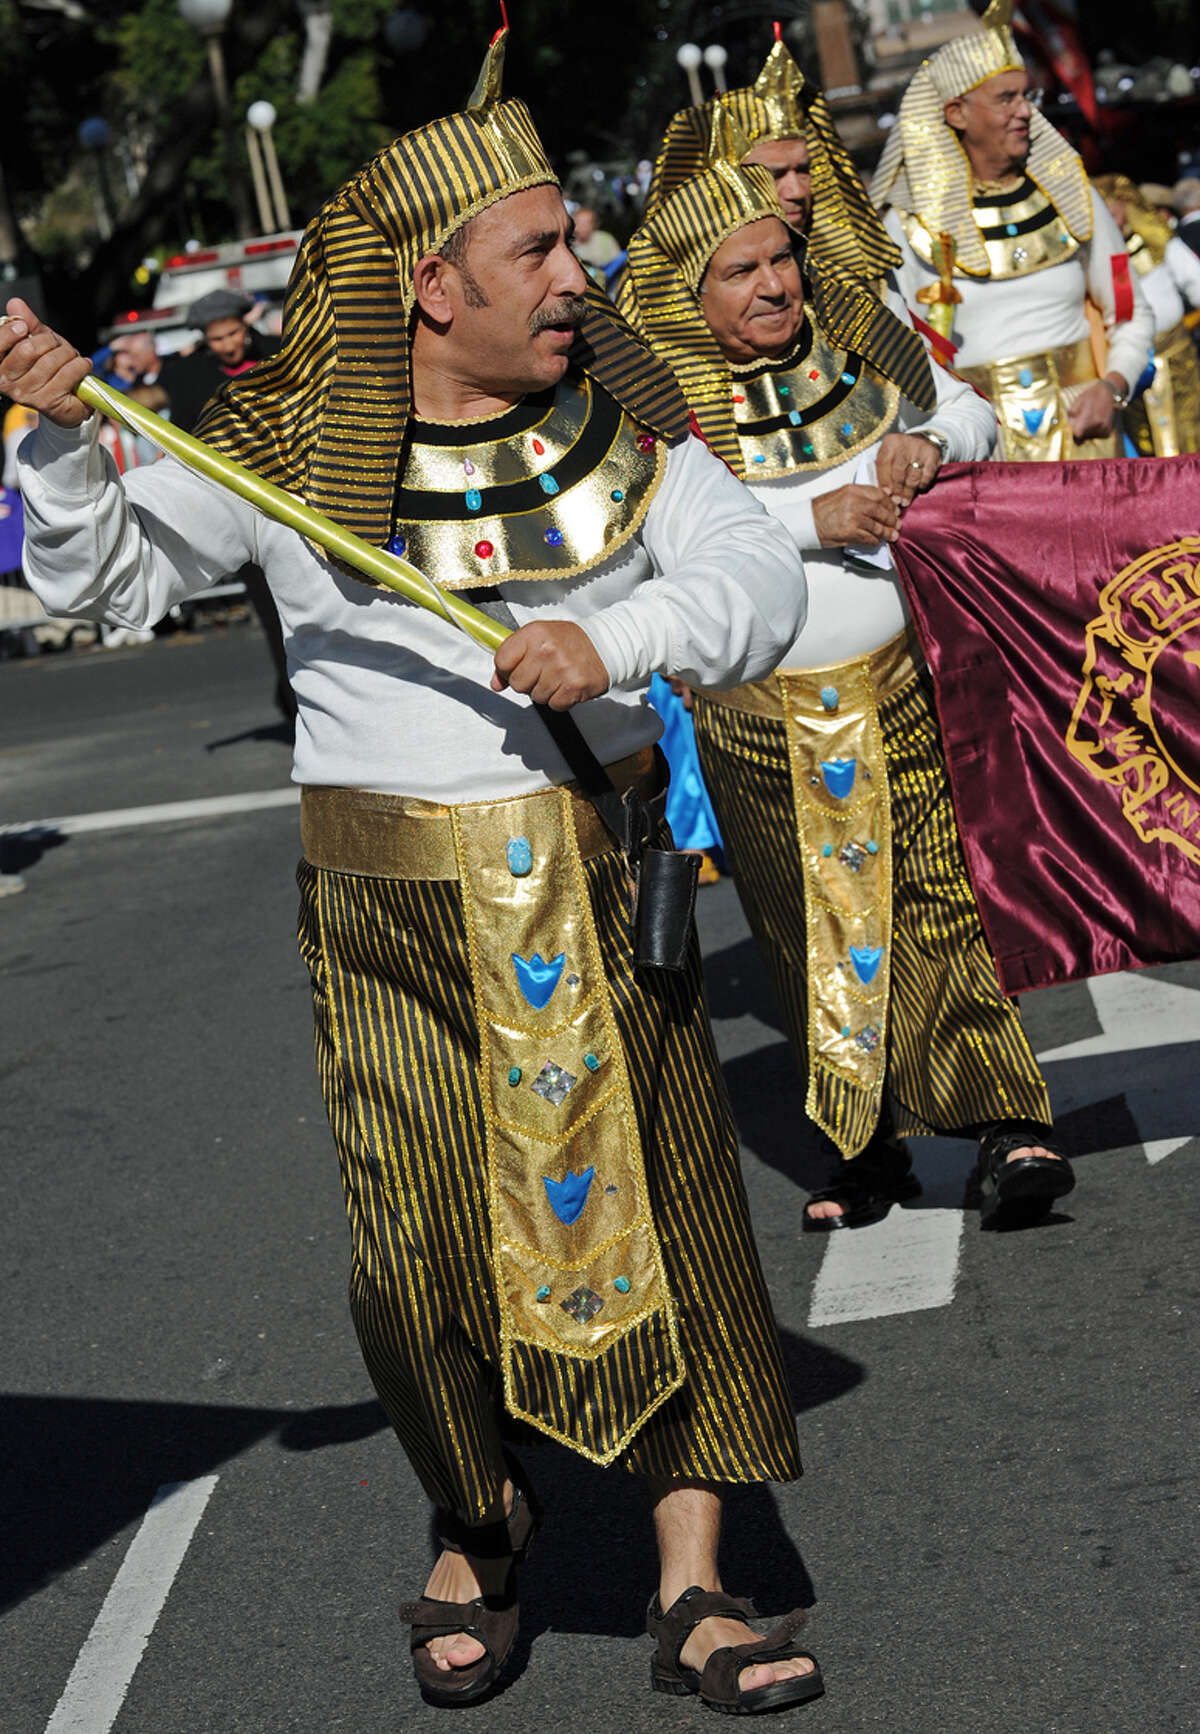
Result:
pixel 778 31
pixel 503 25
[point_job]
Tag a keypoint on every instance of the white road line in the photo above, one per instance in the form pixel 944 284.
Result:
pixel 1135 1011
pixel 164 813
pixel 113 1648
pixel 1158 1149
pixel 904 1264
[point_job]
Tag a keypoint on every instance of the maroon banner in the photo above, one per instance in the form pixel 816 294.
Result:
pixel 1059 607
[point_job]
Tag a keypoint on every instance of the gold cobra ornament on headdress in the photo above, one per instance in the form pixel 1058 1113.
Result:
pixel 845 234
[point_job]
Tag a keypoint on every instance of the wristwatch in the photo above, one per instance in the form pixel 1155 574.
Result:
pixel 1120 398
pixel 935 439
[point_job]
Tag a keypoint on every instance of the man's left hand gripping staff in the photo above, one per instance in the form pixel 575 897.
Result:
pixel 554 661
pixel 40 369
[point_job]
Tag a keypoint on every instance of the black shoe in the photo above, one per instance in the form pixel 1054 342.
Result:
pixel 1015 1194
pixel 866 1186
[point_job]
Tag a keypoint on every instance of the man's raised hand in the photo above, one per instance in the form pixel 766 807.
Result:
pixel 40 369
pixel 554 661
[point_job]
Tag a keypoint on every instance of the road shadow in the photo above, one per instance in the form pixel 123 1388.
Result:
pixel 77 1470
pixel 21 850
pixel 280 731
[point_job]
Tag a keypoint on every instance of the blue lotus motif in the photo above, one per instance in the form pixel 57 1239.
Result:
pixel 1034 419
pixel 538 979
pixel 839 776
pixel 866 960
pixel 568 1196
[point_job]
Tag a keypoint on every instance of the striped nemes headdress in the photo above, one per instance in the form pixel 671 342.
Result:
pixel 326 417
pixel 845 234
pixel 924 169
pixel 669 254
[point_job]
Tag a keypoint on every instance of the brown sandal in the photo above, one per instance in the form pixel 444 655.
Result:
pixel 717 1685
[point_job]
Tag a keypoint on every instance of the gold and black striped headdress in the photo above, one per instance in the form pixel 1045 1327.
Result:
pixel 326 417
pixel 925 171
pixel 669 254
pixel 1141 217
pixel 845 234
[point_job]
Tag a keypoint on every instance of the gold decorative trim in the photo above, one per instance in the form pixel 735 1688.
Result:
pixel 861 409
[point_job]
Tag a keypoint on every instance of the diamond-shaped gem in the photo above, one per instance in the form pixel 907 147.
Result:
pixel 868 1038
pixel 583 1305
pixel 852 855
pixel 554 1083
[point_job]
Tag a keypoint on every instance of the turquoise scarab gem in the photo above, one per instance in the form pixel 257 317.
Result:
pixel 872 848
pixel 1026 377
pixel 514 1076
pixel 520 857
pixel 848 378
pixel 829 697
pixel 1010 228
pixel 807 450
pixel 845 1029
pixel 547 484
pixel 759 458
pixel 847 429
pixel 543 1294
pixel 827 851
pixel 621 1284
pixel 474 499
pixel 591 1062
pixel 785 391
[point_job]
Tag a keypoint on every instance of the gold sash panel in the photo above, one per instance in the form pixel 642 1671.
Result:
pixel 1031 395
pixel 842 811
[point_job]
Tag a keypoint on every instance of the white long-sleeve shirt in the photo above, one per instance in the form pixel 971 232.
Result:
pixel 392 697
pixel 1172 287
pixel 853 607
pixel 1003 318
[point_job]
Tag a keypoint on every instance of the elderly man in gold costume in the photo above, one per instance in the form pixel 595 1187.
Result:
pixel 828 778
pixel 538 1157
pixel 1003 245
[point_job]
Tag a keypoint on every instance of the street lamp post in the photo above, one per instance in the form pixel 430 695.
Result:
pixel 94 136
pixel 714 58
pixel 210 17
pixel 261 116
pixel 690 58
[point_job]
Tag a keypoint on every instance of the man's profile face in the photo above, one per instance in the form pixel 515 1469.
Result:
pixel 752 297
pixel 227 338
pixel 517 295
pixel 993 121
pixel 787 159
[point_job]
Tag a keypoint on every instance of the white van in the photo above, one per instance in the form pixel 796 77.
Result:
pixel 259 267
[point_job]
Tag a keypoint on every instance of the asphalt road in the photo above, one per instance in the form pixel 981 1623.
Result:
pixel 997 1528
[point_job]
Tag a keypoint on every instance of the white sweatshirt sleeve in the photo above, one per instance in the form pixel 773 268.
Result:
pixel 1184 267
pixel 101 548
pixel 730 594
pixel 1130 341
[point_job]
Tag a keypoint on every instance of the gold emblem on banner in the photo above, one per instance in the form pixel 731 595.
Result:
pixel 1133 725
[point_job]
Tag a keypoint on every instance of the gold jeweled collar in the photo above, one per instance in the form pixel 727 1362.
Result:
pixel 1021 230
pixel 814 408
pixel 549 489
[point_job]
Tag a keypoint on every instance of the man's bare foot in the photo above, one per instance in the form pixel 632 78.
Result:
pixel 826 1208
pixel 454 1579
pixel 718 1634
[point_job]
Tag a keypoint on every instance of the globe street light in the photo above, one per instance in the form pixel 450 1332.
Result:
pixel 689 57
pixel 261 116
pixel 210 17
pixel 714 58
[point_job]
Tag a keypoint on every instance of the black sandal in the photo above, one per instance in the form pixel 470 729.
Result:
pixel 491 1618
pixel 717 1684
pixel 1014 1194
pixel 866 1187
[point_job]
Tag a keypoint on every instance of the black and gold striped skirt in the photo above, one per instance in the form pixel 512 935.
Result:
pixel 398 1048
pixel 956 1054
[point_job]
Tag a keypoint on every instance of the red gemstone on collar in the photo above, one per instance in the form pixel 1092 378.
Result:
pixel 645 442
pixel 484 550
pixel 538 447
pixel 738 399
pixel 813 374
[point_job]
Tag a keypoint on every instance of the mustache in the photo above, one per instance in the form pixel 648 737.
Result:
pixel 569 311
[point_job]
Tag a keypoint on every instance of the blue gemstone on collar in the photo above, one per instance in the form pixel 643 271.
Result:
pixel 795 417
pixel 1010 228
pixel 398 546
pixel 847 429
pixel 759 458
pixel 547 484
pixel 618 495
pixel 849 378
pixel 474 499
pixel 554 537
pixel 785 391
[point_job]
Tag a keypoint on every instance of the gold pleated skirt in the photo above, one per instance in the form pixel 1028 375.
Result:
pixel 956 1055
pixel 1030 395
pixel 1165 421
pixel 398 1046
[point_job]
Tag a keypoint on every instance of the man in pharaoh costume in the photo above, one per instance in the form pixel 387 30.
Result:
pixel 828 777
pixel 1164 419
pixel 540 1165
pixel 1004 245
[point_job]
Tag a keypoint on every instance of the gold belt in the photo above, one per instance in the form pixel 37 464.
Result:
pixel 380 836
pixel 1073 364
pixel 889 668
